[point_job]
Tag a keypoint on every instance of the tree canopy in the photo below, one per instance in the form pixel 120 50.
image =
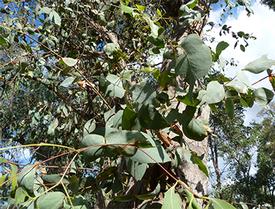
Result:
pixel 111 98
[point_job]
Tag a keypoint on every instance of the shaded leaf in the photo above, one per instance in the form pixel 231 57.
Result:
pixel 199 162
pixel 263 96
pixel 53 125
pixel 53 200
pixel 26 177
pixel 219 48
pixel 89 127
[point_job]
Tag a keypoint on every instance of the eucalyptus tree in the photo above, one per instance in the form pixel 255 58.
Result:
pixel 113 99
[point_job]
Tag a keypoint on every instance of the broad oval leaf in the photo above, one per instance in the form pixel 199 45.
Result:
pixel 197 61
pixel 219 48
pixel 214 93
pixel 67 82
pixel 94 142
pixel 26 177
pixel 171 199
pixel 69 61
pixel 197 129
pixel 53 125
pixel 115 89
pixel 220 204
pixel 259 65
pixel 52 200
pixel 263 96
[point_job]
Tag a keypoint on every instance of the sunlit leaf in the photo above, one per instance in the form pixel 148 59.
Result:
pixel 221 204
pixel 69 61
pixel 196 61
pixel 171 199
pixel 259 65
pixel 214 93
pixel 67 82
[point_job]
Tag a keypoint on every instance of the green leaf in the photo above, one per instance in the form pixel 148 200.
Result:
pixel 89 127
pixel 196 61
pixel 155 154
pixel 197 129
pixel 219 48
pixel 13 177
pixel 67 82
pixel 3 41
pixel 192 4
pixel 115 89
pixel 128 118
pixel 229 107
pixel 214 93
pixel 69 61
pixel 220 204
pixel 53 125
pixel 54 179
pixel 20 195
pixel 126 9
pixel 26 177
pixel 171 199
pixel 199 162
pixel 56 18
pixel 259 65
pixel 263 96
pixel 137 169
pixel 53 200
pixel 95 142
pixel 240 83
pixel 244 206
pixel 192 203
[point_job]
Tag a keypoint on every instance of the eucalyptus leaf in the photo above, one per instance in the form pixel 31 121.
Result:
pixel 115 89
pixel 67 82
pixel 196 61
pixel 214 93
pixel 69 61
pixel 259 65
pixel 263 96
pixel 26 177
pixel 171 199
pixel 53 200
pixel 220 204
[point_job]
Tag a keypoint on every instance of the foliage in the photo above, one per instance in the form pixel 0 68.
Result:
pixel 81 88
pixel 248 157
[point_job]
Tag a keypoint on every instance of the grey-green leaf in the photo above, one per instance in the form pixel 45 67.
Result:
pixel 69 61
pixel 220 204
pixel 263 96
pixel 115 89
pixel 214 93
pixel 52 200
pixel 171 199
pixel 53 125
pixel 67 82
pixel 95 142
pixel 26 177
pixel 197 60
pixel 259 65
